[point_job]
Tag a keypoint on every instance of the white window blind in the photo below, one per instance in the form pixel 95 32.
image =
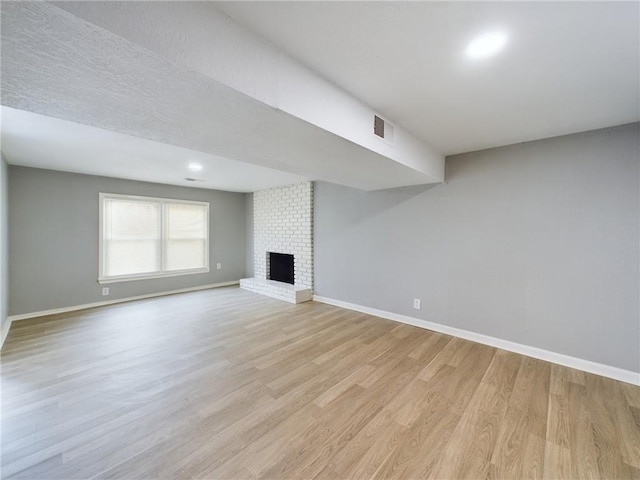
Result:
pixel 186 236
pixel 145 237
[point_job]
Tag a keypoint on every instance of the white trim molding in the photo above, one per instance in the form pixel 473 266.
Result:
pixel 55 311
pixel 151 276
pixel 616 373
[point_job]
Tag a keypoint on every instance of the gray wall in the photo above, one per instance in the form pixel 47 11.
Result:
pixel 4 243
pixel 248 197
pixel 536 243
pixel 54 238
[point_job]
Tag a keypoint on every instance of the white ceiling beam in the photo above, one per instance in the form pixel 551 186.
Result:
pixel 199 82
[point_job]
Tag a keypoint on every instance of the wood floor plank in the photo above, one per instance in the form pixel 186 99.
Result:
pixel 228 384
pixel 316 445
pixel 557 462
pixel 418 453
pixel 631 472
pixel 632 394
pixel 533 463
pixel 584 461
pixel 476 436
pixel 531 394
pixel 502 372
pixel 347 458
pixel 558 420
pixel 509 453
pixel 369 464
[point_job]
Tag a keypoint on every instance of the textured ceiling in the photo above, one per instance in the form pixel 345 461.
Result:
pixel 567 67
pixel 174 79
pixel 60 66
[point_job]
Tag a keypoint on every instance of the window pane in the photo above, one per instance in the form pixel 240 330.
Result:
pixel 186 227
pixel 128 257
pixel 131 237
pixel 133 220
pixel 185 254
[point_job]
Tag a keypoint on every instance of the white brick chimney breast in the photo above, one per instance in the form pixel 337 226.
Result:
pixel 283 223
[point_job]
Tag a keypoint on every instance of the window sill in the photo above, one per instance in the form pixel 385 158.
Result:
pixel 151 276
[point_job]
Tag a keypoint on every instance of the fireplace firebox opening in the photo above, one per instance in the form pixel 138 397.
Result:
pixel 281 267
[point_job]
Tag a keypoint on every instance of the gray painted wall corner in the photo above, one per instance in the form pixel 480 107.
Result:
pixel 248 205
pixel 535 243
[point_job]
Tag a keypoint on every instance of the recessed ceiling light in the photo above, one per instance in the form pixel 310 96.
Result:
pixel 195 167
pixel 486 45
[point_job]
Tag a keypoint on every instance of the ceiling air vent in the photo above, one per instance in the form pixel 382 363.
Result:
pixel 189 179
pixel 382 128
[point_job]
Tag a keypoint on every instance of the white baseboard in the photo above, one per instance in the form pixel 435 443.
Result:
pixel 26 316
pixel 616 373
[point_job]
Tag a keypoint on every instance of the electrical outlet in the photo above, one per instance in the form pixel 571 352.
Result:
pixel 417 303
pixel 105 291
pixel 218 266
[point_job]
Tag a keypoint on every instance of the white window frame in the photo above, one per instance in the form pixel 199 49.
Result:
pixel 102 278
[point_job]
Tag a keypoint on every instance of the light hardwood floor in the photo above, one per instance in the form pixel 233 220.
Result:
pixel 228 384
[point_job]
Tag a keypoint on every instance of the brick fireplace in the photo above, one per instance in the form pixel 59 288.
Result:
pixel 283 224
